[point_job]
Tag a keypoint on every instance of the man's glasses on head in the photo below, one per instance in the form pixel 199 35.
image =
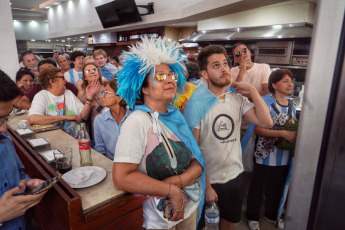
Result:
pixel 244 50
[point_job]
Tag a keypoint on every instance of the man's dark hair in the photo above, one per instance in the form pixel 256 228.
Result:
pixel 76 54
pixel 208 51
pixel 276 76
pixel 193 70
pixel 45 61
pixel 26 53
pixel 237 44
pixel 23 72
pixel 9 89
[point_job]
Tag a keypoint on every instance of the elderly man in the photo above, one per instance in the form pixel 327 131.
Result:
pixel 214 115
pixel 248 71
pixel 30 61
pixel 57 105
pixel 13 180
pixel 73 75
pixel 64 64
pixel 25 101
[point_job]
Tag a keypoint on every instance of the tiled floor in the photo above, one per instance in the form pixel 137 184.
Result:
pixel 264 224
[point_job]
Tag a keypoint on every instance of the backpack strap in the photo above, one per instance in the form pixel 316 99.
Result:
pixel 290 108
pixel 275 108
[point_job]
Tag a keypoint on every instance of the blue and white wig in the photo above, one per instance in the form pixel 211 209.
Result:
pixel 141 60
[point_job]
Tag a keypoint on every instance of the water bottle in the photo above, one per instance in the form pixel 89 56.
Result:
pixel 212 216
pixel 84 146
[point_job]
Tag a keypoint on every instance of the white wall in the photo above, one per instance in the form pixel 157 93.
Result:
pixel 27 30
pixel 269 15
pixel 8 55
pixel 80 17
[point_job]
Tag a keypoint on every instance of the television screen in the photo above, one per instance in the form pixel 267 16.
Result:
pixel 118 12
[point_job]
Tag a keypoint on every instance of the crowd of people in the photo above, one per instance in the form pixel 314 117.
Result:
pixel 173 128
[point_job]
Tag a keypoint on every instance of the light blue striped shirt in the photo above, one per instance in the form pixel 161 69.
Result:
pixel 278 157
pixel 107 131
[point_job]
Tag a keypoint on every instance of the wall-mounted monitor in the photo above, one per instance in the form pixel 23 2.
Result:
pixel 118 12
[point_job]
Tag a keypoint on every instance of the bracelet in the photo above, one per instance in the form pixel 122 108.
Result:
pixel 87 99
pixel 180 181
pixel 169 191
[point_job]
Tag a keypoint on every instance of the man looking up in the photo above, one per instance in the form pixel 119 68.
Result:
pixel 73 75
pixel 25 101
pixel 13 180
pixel 64 64
pixel 214 115
pixel 248 71
pixel 107 70
pixel 30 62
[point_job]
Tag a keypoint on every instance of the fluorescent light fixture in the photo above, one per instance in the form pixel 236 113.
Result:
pixel 82 36
pixel 277 27
pixel 33 40
pixel 238 29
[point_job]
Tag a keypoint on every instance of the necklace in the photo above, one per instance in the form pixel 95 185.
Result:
pixel 284 99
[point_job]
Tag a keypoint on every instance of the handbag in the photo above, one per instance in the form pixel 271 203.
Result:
pixel 193 191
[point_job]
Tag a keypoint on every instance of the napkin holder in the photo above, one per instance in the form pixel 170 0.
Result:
pixel 39 144
pixel 26 133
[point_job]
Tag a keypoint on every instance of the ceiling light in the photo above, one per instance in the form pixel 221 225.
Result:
pixel 56 3
pixel 14 20
pixel 82 36
pixel 277 26
pixel 33 40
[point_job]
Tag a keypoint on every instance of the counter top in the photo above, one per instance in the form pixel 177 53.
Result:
pixel 93 196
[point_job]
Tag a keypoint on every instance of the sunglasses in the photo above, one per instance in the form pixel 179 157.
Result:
pixel 104 93
pixel 91 71
pixel 162 77
pixel 9 116
pixel 244 50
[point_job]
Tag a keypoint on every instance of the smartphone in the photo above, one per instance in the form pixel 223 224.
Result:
pixel 99 108
pixel 43 186
pixel 168 211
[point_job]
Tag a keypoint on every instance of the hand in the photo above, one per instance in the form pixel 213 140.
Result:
pixel 242 86
pixel 23 184
pixel 13 206
pixel 210 195
pixel 73 117
pixel 177 202
pixel 92 88
pixel 245 63
pixel 288 135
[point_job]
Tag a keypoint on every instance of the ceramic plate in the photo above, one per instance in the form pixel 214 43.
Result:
pixel 84 176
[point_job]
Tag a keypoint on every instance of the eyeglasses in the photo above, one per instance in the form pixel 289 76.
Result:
pixel 162 77
pixel 104 93
pixel 91 71
pixel 244 50
pixel 63 77
pixel 9 116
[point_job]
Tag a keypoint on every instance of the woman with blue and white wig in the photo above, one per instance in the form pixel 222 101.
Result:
pixel 156 153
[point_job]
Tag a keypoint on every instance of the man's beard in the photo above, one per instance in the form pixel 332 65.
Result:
pixel 221 82
pixel 34 68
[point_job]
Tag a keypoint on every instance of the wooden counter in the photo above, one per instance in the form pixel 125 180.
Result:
pixel 97 207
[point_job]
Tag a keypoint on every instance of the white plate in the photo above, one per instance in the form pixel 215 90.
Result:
pixel 94 176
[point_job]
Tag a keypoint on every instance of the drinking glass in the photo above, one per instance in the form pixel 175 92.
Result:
pixel 63 159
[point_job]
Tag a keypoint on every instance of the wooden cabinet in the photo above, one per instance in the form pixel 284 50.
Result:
pixel 65 208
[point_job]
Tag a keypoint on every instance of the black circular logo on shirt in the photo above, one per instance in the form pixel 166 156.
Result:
pixel 223 126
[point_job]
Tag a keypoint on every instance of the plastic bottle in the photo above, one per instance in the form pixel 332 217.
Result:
pixel 84 146
pixel 212 217
pixel 301 94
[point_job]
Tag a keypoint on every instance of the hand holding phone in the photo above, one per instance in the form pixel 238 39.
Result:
pixel 43 186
